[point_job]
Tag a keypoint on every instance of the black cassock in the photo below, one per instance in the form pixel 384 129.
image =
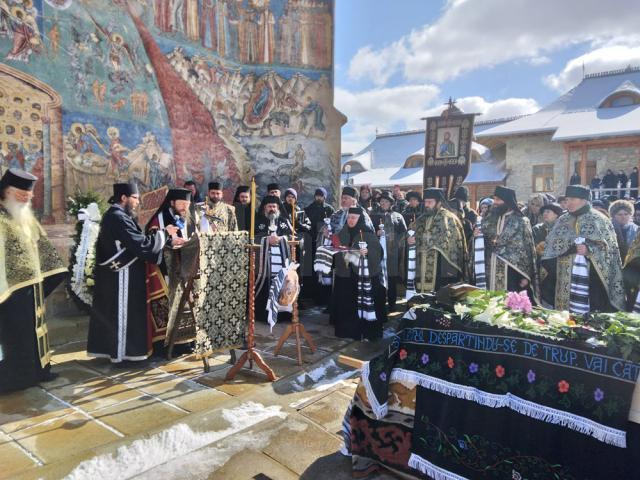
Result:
pixel 118 328
pixel 24 344
pixel 276 260
pixel 29 272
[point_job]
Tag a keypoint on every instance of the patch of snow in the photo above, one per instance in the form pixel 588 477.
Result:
pixel 317 373
pixel 297 403
pixel 296 426
pixel 324 376
pixel 329 383
pixel 199 464
pixel 170 444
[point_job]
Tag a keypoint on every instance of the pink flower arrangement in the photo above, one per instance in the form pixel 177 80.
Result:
pixel 519 302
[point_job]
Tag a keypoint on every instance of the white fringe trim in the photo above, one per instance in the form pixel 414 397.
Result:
pixel 418 463
pixel 379 410
pixel 554 416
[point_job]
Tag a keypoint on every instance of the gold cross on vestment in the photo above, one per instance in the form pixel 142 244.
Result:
pixel 115 265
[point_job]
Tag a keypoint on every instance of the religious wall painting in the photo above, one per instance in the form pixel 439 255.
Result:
pixel 59 4
pixel 99 152
pixel 19 26
pixel 29 120
pixel 155 106
pixel 97 47
pixel 249 32
pixel 296 161
pixel 276 111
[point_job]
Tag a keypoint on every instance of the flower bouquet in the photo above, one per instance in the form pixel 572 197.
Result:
pixel 619 332
pixel 88 209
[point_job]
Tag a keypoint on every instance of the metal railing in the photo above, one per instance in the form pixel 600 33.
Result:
pixel 620 192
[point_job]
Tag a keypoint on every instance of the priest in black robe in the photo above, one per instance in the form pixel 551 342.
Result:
pixel 349 319
pixel 175 210
pixel 118 328
pixel 414 208
pixel 273 229
pixel 30 269
pixel 582 231
pixel 510 255
pixel 242 206
pixel 302 229
pixel 319 212
pixel 391 224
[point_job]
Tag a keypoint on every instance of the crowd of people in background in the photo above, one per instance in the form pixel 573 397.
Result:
pixel 619 184
pixel 579 252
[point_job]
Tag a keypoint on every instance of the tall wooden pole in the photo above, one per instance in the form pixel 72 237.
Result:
pixel 251 355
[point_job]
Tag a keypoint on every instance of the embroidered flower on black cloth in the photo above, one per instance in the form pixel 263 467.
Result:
pixel 531 376
pixel 598 395
pixel 462 444
pixel 402 354
pixel 473 367
pixel 424 358
pixel 515 475
pixel 450 362
pixel 563 386
pixel 499 371
pixel 383 376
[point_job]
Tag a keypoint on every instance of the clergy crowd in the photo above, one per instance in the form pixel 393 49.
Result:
pixel 355 260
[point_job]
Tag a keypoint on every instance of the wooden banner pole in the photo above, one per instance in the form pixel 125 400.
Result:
pixel 251 354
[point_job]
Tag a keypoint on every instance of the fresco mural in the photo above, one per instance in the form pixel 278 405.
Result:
pixel 162 91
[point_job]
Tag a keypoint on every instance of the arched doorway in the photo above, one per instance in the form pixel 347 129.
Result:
pixel 31 137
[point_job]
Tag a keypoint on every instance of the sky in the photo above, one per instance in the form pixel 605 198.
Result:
pixel 399 61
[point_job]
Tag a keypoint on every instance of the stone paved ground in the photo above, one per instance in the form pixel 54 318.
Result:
pixel 171 420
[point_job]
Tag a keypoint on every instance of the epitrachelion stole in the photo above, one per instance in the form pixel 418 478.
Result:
pixel 221 306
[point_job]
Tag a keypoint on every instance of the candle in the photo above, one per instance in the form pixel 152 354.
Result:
pixel 253 209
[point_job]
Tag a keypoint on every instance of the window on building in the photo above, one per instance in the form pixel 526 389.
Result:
pixel 621 99
pixel 543 178
pixel 414 161
pixel 354 167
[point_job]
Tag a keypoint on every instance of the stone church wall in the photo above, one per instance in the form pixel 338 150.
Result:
pixel 523 152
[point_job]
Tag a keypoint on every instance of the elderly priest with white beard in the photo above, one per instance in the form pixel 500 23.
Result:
pixel 118 327
pixel 30 269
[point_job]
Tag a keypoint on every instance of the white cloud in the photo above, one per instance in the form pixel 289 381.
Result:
pixel 379 65
pixel 469 35
pixel 504 108
pixel 382 109
pixel 542 60
pixel 402 108
pixel 601 59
